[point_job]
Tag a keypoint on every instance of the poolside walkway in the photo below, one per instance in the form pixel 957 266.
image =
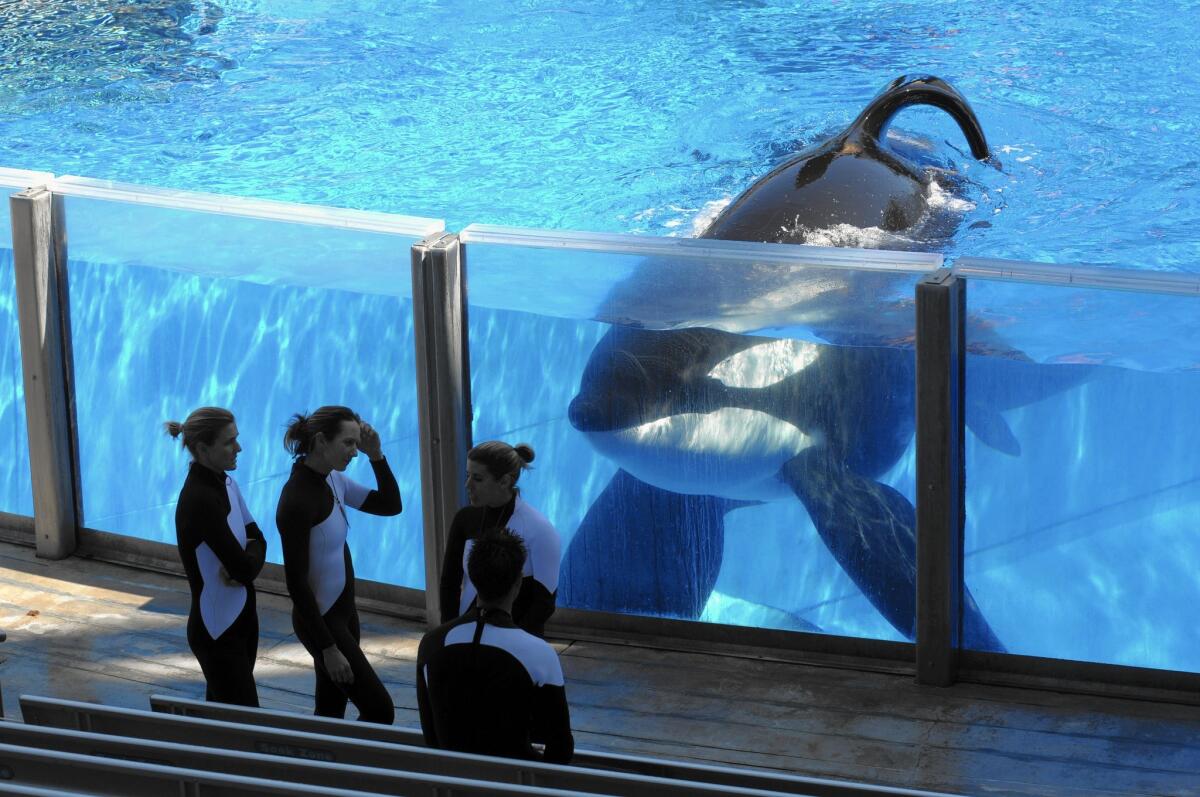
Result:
pixel 87 630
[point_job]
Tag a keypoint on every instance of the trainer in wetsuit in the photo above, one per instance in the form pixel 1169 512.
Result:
pixel 492 472
pixel 222 550
pixel 312 524
pixel 483 684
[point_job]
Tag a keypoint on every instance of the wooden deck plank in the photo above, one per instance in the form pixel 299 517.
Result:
pixel 87 630
pixel 968 770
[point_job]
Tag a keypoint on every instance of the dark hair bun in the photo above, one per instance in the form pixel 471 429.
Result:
pixel 524 451
pixel 294 439
pixel 303 428
pixel 173 428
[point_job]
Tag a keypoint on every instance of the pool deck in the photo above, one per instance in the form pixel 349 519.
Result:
pixel 88 630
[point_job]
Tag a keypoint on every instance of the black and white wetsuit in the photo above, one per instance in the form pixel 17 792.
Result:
pixel 312 525
pixel 485 686
pixel 215 531
pixel 535 602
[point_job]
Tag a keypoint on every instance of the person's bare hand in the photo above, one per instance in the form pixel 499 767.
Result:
pixel 336 666
pixel 369 443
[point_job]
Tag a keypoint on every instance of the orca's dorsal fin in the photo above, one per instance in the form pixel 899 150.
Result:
pixel 906 91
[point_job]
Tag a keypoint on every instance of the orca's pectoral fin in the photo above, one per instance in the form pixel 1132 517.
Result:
pixel 870 528
pixel 976 633
pixel 732 610
pixel 992 430
pixel 867 526
pixel 644 550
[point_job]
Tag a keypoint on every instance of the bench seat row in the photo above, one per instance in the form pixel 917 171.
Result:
pixel 198 748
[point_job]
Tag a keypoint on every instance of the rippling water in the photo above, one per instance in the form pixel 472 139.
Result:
pixel 629 117
pixel 616 115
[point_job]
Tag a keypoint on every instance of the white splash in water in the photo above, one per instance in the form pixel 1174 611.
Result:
pixel 939 198
pixel 847 235
pixel 708 214
pixel 938 201
pixel 677 220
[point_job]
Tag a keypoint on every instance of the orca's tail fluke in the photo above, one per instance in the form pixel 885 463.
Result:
pixel 906 91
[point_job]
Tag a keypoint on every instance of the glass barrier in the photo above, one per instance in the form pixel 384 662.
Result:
pixel 16 489
pixel 180 304
pixel 1083 463
pixel 694 406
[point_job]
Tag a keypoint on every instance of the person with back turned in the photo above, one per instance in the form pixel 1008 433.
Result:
pixel 483 684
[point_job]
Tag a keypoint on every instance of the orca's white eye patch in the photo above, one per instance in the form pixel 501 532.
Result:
pixel 766 364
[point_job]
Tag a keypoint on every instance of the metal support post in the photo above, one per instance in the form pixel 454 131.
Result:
pixel 941 346
pixel 40 264
pixel 443 395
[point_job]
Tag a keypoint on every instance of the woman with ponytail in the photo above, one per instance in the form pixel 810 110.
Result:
pixel 493 469
pixel 312 524
pixel 222 550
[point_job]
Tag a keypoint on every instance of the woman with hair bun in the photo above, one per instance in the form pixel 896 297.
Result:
pixel 312 524
pixel 222 550
pixel 493 469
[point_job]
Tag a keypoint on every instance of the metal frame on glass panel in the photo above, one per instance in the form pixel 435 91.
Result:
pixel 40 257
pixel 863 653
pixel 443 394
pixel 15 527
pixel 40 265
pixel 1033 671
pixel 940 344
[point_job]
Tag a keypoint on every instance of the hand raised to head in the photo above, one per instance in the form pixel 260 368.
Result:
pixel 369 442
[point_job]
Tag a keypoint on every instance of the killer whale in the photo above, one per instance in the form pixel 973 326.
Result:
pixel 702 421
pixel 854 178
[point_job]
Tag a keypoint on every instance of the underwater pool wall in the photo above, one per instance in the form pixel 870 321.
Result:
pixel 178 299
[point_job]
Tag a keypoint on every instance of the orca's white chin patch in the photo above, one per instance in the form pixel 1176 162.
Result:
pixel 731 453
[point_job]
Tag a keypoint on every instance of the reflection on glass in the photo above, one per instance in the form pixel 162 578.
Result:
pixel 817 293
pixel 1083 474
pixel 151 345
pixel 16 489
pixel 697 470
pixel 341 249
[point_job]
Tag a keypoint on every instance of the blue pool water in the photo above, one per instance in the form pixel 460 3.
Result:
pixel 645 118
pixel 613 116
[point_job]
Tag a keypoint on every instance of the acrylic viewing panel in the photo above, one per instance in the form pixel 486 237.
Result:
pixel 156 335
pixel 16 489
pixel 221 236
pixel 1083 469
pixel 690 417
